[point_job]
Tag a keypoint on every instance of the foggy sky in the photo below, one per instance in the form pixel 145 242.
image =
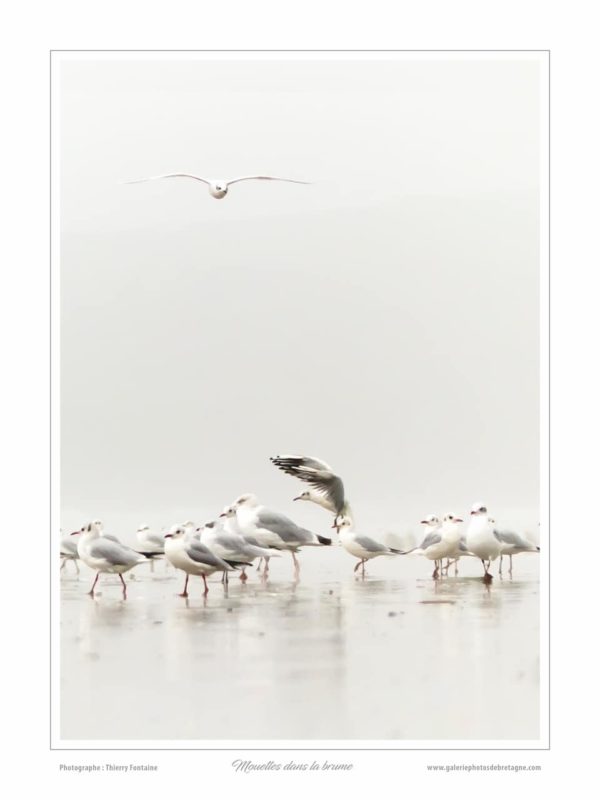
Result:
pixel 384 318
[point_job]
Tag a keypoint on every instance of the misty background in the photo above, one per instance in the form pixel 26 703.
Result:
pixel 384 318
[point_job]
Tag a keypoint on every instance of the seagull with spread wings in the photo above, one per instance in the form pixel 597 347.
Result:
pixel 217 188
pixel 328 487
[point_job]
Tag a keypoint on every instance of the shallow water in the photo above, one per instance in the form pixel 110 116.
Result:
pixel 394 656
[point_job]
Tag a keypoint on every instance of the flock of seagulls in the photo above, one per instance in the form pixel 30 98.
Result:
pixel 247 530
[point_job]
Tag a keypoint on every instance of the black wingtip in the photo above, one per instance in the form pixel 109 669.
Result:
pixel 397 552
pixel 323 540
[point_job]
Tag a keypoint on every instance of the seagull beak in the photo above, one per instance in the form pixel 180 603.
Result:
pixel 424 522
pixel 168 535
pixel 457 519
pixel 74 533
pixel 223 514
pixel 473 512
pixel 298 498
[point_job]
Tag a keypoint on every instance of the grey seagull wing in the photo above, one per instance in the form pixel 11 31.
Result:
pixel 114 552
pixel 371 545
pixel 432 538
pixel 317 474
pixel 283 526
pixel 200 553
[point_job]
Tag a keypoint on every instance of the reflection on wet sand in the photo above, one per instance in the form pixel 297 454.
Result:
pixel 331 656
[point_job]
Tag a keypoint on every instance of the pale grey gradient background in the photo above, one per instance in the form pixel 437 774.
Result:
pixel 384 319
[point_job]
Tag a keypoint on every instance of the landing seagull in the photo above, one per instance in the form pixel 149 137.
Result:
pixel 329 488
pixel 363 547
pixel 217 188
pixel 272 529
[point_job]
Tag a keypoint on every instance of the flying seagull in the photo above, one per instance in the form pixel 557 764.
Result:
pixel 329 488
pixel 217 188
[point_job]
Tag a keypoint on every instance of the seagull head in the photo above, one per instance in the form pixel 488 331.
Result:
pixel 228 511
pixel 91 527
pixel 99 524
pixel 143 528
pixel 304 496
pixel 430 520
pixel 452 518
pixel 341 523
pixel 176 532
pixel 478 509
pixel 246 500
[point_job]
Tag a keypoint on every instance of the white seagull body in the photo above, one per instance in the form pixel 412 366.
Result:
pixel 216 187
pixel 106 555
pixel 431 546
pixel 68 551
pixel 232 547
pixel 480 538
pixel 360 546
pixel 511 544
pixel 187 553
pixel 150 543
pixel 271 529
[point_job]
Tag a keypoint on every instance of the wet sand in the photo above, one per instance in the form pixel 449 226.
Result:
pixel 394 656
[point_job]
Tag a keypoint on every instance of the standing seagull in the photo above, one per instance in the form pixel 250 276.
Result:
pixel 480 539
pixel 329 488
pixel 363 547
pixel 106 555
pixel 68 551
pixel 187 553
pixel 511 544
pixel 432 537
pixel 151 544
pixel 232 547
pixel 217 188
pixel 272 529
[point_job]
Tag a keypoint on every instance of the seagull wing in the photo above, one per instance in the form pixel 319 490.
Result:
pixel 370 545
pixel 513 539
pixel 170 175
pixel 317 474
pixel 300 461
pixel 282 526
pixel 263 178
pixel 434 537
pixel 114 552
pixel 199 553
